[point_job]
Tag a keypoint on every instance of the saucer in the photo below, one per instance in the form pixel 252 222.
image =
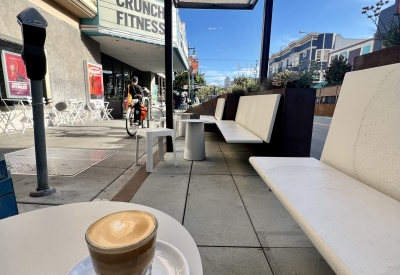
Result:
pixel 168 260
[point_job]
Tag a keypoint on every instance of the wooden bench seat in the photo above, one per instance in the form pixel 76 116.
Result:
pixel 348 203
pixel 254 120
pixel 219 111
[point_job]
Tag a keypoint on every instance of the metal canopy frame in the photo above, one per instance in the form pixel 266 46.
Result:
pixel 209 4
pixel 222 4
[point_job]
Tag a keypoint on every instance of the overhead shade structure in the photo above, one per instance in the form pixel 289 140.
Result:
pixel 220 4
pixel 209 4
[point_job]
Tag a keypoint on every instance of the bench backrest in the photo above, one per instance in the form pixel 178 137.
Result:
pixel 364 137
pixel 257 114
pixel 219 111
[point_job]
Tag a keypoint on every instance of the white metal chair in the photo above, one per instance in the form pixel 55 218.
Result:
pixel 150 134
pixel 7 117
pixel 50 114
pixel 76 111
pixel 63 114
pixel 107 112
pixel 94 113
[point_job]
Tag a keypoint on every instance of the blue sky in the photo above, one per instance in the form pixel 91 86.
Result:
pixel 224 38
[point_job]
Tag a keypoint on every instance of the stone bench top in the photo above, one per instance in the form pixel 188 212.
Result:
pixel 235 133
pixel 355 227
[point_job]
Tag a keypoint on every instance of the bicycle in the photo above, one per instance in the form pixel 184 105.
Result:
pixel 153 114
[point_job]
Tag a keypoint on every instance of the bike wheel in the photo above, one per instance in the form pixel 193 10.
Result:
pixel 156 114
pixel 131 128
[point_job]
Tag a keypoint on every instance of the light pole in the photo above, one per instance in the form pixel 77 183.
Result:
pixel 310 44
pixel 189 70
pixel 280 56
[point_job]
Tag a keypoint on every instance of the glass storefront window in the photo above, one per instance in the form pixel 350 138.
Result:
pixel 108 76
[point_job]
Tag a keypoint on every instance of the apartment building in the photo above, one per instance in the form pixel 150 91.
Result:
pixel 312 47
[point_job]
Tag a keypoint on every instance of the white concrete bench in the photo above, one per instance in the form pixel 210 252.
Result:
pixel 348 203
pixel 219 111
pixel 254 120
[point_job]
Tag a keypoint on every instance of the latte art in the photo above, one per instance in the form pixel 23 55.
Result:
pixel 121 229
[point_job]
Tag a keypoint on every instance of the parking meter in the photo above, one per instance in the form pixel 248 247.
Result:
pixel 33 27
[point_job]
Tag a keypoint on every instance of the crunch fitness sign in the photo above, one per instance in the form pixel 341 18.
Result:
pixel 135 16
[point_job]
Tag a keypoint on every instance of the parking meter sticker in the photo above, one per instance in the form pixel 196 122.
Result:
pixel 18 84
pixel 33 22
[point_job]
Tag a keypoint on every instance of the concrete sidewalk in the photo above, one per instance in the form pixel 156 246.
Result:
pixel 102 180
pixel 238 224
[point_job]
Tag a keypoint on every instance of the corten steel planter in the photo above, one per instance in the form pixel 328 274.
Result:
pixel 379 58
pixel 292 132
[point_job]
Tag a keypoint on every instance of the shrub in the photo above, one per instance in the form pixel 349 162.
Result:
pixel 334 75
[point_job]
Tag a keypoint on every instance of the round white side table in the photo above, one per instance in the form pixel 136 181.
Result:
pixel 182 125
pixel 52 240
pixel 195 147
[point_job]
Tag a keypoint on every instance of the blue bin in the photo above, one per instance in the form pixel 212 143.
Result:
pixel 8 202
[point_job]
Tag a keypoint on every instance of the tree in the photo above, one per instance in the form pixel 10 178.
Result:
pixel 334 75
pixel 181 79
pixel 388 29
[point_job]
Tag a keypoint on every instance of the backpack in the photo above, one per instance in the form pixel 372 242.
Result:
pixel 143 111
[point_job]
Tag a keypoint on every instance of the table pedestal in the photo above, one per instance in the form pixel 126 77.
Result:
pixel 182 125
pixel 195 148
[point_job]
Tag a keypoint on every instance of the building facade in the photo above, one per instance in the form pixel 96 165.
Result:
pixel 386 15
pixel 227 82
pixel 126 39
pixel 352 51
pixel 312 47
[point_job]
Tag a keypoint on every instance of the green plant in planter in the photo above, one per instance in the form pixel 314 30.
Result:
pixel 334 75
pixel 236 89
pixel 308 74
pixel 389 30
pixel 284 77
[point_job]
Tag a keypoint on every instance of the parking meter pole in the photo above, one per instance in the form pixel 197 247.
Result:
pixel 33 27
pixel 43 188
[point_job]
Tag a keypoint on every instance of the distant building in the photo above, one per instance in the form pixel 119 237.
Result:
pixel 227 82
pixel 232 82
pixel 352 51
pixel 385 16
pixel 312 47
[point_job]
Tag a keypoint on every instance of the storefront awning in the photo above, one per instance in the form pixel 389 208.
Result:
pixel 219 4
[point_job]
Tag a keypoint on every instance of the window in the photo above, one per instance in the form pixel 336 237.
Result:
pixel 328 99
pixel 296 60
pixel 326 55
pixel 318 55
pixel 291 61
pixel 305 53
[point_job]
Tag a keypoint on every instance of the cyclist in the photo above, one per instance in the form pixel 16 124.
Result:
pixel 137 93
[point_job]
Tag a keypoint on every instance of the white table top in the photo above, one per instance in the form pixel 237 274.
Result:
pixel 194 120
pixel 29 242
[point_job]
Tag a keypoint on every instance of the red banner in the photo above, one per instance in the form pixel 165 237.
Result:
pixel 194 65
pixel 15 76
pixel 95 81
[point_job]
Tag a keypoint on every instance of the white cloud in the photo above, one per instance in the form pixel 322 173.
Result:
pixel 212 28
pixel 214 77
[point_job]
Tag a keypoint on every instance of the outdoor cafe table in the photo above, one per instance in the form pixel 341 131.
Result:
pixel 52 240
